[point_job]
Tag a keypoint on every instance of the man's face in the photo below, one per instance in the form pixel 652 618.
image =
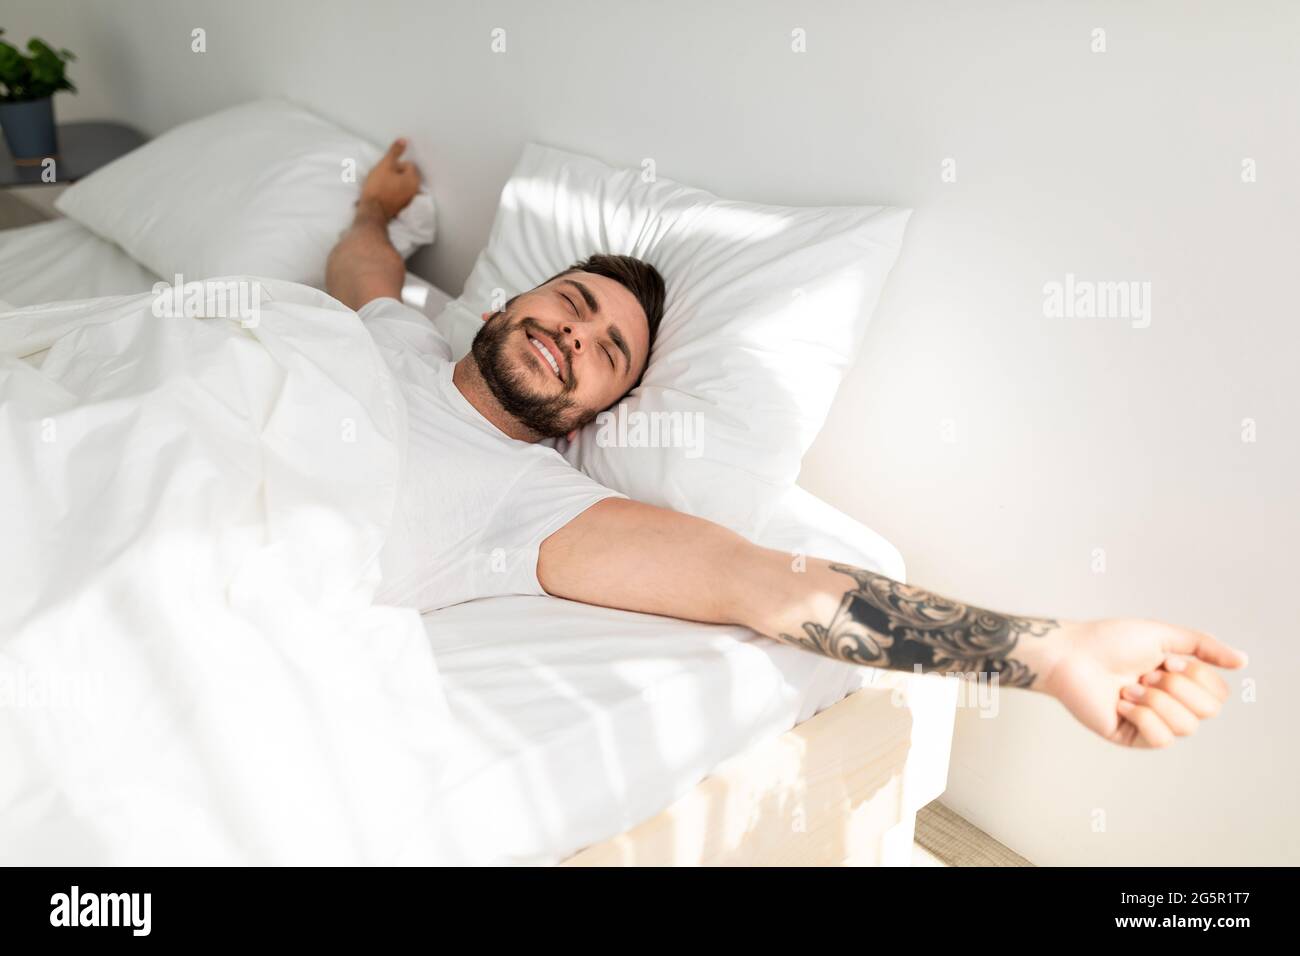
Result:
pixel 561 354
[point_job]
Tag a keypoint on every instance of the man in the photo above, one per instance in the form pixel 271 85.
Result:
pixel 487 508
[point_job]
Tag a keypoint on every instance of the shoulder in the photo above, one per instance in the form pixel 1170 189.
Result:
pixel 396 326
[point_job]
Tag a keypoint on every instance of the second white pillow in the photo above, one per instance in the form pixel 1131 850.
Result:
pixel 259 189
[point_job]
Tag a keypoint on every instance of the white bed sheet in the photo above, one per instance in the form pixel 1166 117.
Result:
pixel 61 259
pixel 573 723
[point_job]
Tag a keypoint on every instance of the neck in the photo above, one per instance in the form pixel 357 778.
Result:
pixel 465 375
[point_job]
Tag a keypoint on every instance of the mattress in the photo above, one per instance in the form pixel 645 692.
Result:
pixel 572 723
pixel 575 723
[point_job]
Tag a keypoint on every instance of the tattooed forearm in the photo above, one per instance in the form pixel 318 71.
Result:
pixel 882 623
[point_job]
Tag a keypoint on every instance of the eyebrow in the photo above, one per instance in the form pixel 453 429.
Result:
pixel 586 296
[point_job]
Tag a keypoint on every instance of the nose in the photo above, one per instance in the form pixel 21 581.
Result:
pixel 575 343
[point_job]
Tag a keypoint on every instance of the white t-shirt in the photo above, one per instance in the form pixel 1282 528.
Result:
pixel 474 504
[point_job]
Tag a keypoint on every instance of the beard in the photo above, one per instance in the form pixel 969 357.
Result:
pixel 551 416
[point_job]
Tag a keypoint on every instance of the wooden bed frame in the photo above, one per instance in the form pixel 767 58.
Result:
pixel 842 788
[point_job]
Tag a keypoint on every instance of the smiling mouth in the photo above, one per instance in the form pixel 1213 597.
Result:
pixel 545 352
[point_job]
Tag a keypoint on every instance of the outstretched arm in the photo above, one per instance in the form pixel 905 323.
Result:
pixel 363 264
pixel 1133 682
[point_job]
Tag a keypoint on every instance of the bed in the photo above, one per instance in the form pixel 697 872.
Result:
pixel 587 736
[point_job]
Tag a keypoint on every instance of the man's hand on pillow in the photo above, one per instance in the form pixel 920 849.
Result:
pixel 392 183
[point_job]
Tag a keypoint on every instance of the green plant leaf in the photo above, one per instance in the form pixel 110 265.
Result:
pixel 40 72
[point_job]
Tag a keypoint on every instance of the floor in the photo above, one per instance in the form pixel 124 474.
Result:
pixel 945 839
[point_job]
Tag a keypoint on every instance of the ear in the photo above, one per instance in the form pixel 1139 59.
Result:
pixel 486 316
pixel 571 436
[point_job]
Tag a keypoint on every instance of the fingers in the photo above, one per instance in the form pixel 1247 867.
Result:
pixel 1168 706
pixel 1171 701
pixel 1203 674
pixel 395 151
pixel 1202 702
pixel 1180 719
pixel 393 159
pixel 1152 731
pixel 1205 648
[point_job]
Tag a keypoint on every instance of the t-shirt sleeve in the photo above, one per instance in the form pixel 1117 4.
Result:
pixel 546 497
pixel 404 334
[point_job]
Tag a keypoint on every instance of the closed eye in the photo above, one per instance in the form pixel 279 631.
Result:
pixel 570 301
pixel 610 357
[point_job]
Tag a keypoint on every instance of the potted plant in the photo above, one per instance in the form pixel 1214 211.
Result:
pixel 28 82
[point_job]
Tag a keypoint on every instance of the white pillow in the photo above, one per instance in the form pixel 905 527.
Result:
pixel 257 189
pixel 766 309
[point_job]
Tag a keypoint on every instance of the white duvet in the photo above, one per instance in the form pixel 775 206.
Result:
pixel 190 664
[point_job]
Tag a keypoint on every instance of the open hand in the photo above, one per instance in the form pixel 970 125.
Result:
pixel 1140 683
pixel 392 183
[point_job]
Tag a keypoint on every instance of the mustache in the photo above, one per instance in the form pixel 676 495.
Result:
pixel 527 322
pixel 552 415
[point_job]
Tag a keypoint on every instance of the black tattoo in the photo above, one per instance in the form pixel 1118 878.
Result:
pixel 882 623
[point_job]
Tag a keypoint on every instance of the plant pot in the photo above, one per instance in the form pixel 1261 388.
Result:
pixel 29 130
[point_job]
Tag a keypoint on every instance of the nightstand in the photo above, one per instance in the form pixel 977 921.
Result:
pixel 83 148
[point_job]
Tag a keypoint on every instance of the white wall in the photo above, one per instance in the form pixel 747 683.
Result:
pixel 1069 435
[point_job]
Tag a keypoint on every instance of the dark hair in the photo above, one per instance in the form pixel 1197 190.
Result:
pixel 638 277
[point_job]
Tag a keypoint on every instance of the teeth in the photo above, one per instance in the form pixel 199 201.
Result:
pixel 546 354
